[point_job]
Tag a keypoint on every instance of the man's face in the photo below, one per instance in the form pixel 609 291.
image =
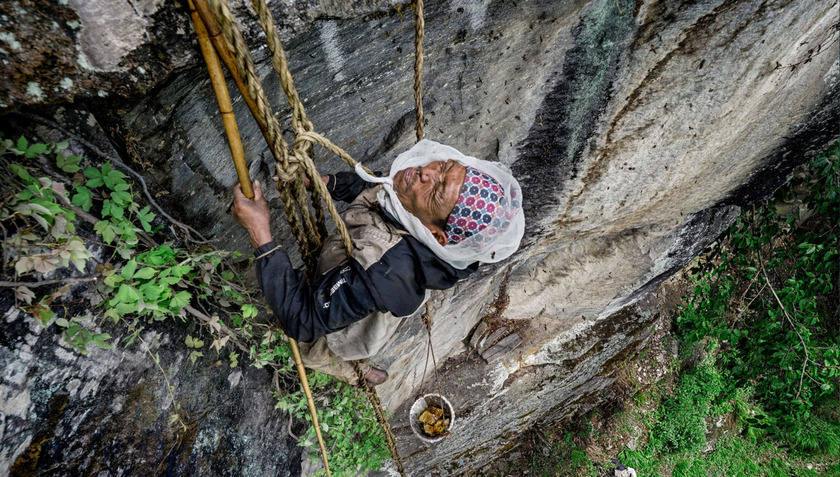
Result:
pixel 430 193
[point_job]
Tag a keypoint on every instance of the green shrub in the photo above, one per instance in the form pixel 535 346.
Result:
pixel 58 208
pixel 764 313
pixel 348 424
pixel 680 421
pixel 769 292
pixel 817 435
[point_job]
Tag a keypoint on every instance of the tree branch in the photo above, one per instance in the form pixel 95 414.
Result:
pixel 275 380
pixel 206 320
pixel 790 320
pixel 744 310
pixel 5 256
pixel 49 282
pixel 104 156
pixel 76 209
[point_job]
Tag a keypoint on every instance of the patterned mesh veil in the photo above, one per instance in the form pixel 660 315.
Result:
pixel 496 240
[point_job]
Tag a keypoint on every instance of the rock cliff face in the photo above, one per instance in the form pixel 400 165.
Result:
pixel 637 129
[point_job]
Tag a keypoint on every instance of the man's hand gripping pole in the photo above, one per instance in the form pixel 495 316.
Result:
pixel 223 98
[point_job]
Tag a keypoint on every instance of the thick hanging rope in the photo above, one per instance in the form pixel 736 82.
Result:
pixel 391 441
pixel 290 185
pixel 376 403
pixel 309 232
pixel 301 148
pixel 235 143
pixel 300 122
pixel 301 126
pixel 419 29
pixel 297 213
pixel 304 137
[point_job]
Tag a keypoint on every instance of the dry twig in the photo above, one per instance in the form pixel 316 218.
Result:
pixel 48 282
pixel 104 156
pixel 790 320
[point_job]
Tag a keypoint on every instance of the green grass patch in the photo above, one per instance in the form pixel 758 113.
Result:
pixel 757 392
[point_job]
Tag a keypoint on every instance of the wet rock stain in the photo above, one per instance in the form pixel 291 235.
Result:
pixel 27 463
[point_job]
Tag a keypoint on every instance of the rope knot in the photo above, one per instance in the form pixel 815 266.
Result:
pixel 427 318
pixel 289 174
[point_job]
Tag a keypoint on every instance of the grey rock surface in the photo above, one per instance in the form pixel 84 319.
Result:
pixel 108 413
pixel 102 49
pixel 637 130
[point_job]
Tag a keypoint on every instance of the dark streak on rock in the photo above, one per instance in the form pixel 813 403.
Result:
pixel 549 155
pixel 812 138
pixel 697 233
pixel 397 130
pixel 691 33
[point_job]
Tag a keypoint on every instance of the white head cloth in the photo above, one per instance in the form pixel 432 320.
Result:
pixel 509 223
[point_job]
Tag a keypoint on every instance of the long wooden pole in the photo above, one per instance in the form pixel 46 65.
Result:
pixel 223 98
pixel 214 32
pixel 217 79
pixel 312 412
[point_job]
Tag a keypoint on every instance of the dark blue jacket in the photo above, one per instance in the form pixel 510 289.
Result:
pixel 396 283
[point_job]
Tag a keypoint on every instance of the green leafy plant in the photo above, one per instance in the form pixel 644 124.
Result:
pixel 759 346
pixel 348 425
pixel 138 280
pixel 770 293
pixel 66 221
pixel 764 311
pixel 681 420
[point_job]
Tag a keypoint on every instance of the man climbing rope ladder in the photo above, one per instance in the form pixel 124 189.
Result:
pixel 424 227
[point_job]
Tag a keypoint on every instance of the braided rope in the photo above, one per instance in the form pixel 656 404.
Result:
pixel 290 170
pixel 247 70
pixel 319 203
pixel 300 122
pixel 419 29
pixel 310 169
pixel 306 229
pixel 376 403
pixel 330 146
pixel 303 128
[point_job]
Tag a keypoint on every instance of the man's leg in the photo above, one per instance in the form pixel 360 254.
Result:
pixel 318 356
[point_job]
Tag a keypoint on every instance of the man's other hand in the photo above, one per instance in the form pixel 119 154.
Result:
pixel 306 182
pixel 252 214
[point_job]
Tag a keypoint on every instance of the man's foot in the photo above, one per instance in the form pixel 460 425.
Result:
pixel 376 376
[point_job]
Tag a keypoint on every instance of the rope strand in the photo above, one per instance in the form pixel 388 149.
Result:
pixel 309 232
pixel 288 171
pixel 419 34
pixel 300 122
pixel 376 403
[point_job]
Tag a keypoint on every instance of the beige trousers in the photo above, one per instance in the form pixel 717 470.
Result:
pixel 317 356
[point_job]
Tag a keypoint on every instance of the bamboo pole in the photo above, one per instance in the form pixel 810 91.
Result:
pixel 234 139
pixel 214 32
pixel 305 384
pixel 217 79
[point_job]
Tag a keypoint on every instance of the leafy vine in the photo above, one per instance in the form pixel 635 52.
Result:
pixel 66 221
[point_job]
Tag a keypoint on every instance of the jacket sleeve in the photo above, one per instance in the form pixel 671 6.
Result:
pixel 307 311
pixel 396 283
pixel 346 186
